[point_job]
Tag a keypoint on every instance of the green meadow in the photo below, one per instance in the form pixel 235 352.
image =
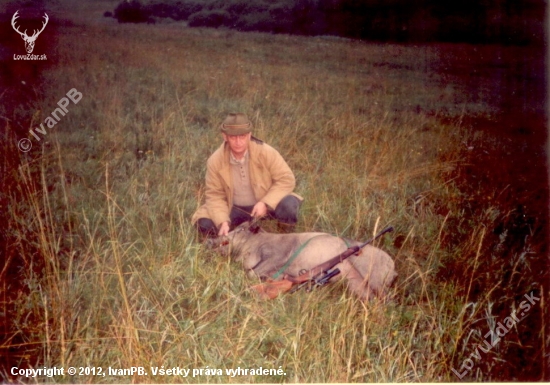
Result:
pixel 112 273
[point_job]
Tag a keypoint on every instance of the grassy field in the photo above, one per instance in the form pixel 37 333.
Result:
pixel 113 274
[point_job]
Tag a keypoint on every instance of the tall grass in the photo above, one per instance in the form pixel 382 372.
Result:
pixel 118 278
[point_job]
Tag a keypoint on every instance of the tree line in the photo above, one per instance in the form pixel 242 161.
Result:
pixel 473 21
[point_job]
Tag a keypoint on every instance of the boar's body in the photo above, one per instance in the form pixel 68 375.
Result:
pixel 263 254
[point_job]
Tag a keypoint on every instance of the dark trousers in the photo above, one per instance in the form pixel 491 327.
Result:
pixel 286 212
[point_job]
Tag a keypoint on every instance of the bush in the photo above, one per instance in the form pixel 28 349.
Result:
pixel 175 10
pixel 282 17
pixel 132 12
pixel 188 8
pixel 212 19
pixel 255 22
pixel 240 8
pixel 163 10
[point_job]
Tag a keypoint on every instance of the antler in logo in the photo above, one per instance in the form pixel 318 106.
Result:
pixel 29 40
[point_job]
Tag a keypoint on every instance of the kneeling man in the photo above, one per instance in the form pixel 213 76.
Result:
pixel 245 178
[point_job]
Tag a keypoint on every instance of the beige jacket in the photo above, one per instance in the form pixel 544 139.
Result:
pixel 270 176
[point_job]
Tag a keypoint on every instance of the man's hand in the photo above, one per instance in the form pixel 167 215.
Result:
pixel 224 229
pixel 259 210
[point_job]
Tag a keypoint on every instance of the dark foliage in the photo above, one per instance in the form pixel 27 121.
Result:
pixel 132 12
pixel 179 10
pixel 205 18
pixel 473 21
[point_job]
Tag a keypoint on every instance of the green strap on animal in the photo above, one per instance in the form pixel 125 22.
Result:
pixel 293 257
pixel 296 253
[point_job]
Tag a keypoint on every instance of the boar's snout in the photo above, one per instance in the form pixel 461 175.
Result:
pixel 212 243
pixel 209 243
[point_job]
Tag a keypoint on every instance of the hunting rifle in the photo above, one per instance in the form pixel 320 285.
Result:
pixel 319 275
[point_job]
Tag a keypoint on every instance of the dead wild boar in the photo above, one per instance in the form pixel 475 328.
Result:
pixel 368 273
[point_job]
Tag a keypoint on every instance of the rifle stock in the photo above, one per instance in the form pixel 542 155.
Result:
pixel 271 288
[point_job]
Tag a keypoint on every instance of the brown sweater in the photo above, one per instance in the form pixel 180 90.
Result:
pixel 243 194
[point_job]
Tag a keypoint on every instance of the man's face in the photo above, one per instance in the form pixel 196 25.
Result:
pixel 237 143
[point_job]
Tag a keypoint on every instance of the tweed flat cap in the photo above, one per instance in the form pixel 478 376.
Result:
pixel 236 124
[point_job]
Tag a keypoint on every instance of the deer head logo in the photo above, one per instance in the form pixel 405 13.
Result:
pixel 29 40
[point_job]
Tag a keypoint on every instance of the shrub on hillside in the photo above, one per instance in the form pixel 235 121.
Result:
pixel 132 12
pixel 188 8
pixel 164 10
pixel 239 7
pixel 257 21
pixel 310 22
pixel 212 5
pixel 135 12
pixel 206 18
pixel 282 17
pixel 242 7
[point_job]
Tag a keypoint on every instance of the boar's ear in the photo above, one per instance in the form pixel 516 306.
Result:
pixel 254 228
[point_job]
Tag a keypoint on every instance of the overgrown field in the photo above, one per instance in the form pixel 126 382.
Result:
pixel 112 273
